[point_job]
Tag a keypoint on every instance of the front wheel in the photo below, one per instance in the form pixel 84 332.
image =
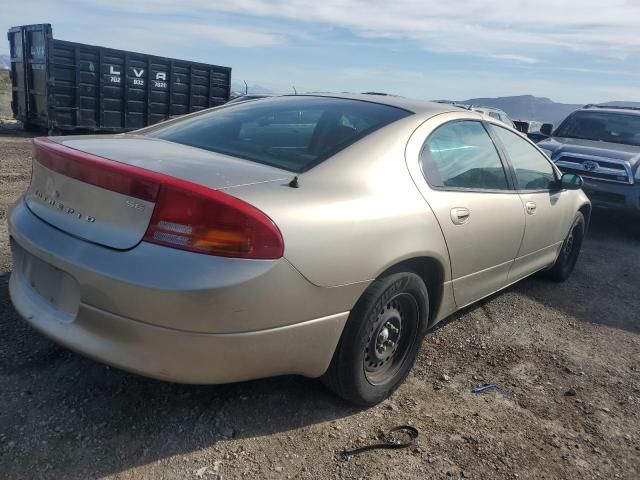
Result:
pixel 568 256
pixel 381 340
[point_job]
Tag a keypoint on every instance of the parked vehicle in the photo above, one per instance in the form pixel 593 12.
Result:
pixel 64 86
pixel 492 112
pixel 309 234
pixel 535 131
pixel 602 144
pixel 495 113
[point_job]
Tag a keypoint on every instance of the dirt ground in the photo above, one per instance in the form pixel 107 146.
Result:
pixel 568 356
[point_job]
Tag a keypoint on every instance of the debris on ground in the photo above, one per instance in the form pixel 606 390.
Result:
pixel 400 437
pixel 489 386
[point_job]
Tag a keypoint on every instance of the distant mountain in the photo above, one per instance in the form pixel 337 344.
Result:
pixel 5 62
pixel 528 107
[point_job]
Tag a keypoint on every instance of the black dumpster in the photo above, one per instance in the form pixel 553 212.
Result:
pixel 66 86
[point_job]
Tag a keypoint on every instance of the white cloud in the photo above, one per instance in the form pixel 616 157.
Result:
pixel 483 27
pixel 514 58
pixel 456 84
pixel 590 37
pixel 234 36
pixel 129 25
pixel 510 30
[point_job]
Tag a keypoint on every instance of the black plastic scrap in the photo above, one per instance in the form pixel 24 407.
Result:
pixel 388 442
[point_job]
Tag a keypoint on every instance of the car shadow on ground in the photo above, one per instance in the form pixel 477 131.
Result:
pixel 604 287
pixel 95 420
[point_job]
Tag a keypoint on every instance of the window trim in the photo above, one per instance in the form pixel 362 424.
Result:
pixel 512 170
pixel 511 187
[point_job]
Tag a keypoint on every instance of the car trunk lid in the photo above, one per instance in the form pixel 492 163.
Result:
pixel 104 189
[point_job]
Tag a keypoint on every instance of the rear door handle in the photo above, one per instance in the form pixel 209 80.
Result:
pixel 460 215
pixel 531 207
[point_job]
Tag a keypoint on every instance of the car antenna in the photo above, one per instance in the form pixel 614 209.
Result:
pixel 295 92
pixel 294 183
pixel 246 87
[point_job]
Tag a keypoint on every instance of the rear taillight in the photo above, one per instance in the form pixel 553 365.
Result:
pixel 208 221
pixel 187 216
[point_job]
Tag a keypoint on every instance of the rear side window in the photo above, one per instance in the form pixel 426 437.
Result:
pixel 533 170
pixel 462 155
pixel 294 133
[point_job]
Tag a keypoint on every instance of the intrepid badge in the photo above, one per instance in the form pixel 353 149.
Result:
pixel 58 205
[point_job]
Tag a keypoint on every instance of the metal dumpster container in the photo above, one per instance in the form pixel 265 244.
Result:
pixel 66 86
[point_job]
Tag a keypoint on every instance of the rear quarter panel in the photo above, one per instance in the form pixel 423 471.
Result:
pixel 356 214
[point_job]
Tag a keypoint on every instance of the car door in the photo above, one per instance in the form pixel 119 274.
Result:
pixel 548 209
pixel 467 187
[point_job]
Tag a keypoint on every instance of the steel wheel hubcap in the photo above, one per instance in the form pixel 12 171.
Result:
pixel 569 246
pixel 389 339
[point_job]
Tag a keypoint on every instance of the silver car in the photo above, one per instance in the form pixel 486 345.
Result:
pixel 313 235
pixel 496 113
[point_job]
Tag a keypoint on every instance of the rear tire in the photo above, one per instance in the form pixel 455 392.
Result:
pixel 568 256
pixel 381 340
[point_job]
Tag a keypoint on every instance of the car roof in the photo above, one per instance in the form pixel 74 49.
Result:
pixel 610 109
pixel 488 109
pixel 409 104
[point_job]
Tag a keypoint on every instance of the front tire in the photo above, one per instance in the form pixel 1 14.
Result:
pixel 381 340
pixel 568 256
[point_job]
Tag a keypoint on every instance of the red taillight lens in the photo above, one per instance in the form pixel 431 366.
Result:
pixel 101 172
pixel 208 221
pixel 187 216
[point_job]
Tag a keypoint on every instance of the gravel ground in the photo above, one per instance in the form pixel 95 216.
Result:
pixel 568 356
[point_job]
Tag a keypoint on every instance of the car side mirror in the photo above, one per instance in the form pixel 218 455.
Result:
pixel 546 129
pixel 571 181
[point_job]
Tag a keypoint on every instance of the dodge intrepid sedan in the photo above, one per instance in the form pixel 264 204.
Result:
pixel 313 235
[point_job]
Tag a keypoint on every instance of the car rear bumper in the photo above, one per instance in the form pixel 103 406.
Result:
pixel 171 314
pixel 159 352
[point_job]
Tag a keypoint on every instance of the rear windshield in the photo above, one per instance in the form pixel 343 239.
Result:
pixel 601 126
pixel 294 133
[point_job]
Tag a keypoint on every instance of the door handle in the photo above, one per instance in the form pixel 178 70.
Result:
pixel 460 215
pixel 531 207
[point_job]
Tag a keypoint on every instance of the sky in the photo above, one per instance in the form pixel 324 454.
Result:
pixel 573 51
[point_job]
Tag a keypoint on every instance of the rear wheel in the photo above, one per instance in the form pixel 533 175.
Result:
pixel 381 340
pixel 568 256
